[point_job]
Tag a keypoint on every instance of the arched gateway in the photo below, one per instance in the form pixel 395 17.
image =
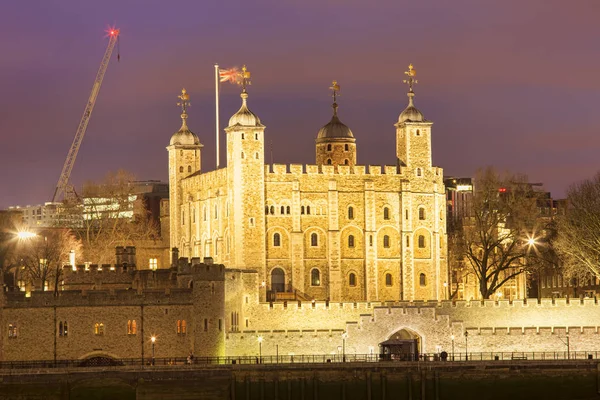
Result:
pixel 402 345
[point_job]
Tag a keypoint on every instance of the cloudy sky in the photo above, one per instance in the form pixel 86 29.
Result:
pixel 514 84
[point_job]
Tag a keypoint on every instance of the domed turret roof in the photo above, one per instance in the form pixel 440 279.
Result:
pixel 244 116
pixel 184 137
pixel 335 129
pixel 411 113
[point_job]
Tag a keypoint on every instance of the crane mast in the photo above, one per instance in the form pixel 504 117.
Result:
pixel 63 180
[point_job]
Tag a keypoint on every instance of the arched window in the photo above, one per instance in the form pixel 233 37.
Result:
pixel 421 241
pixel 352 279
pixel 183 327
pixel 315 277
pixel 422 213
pixel 328 147
pixel 189 168
pixel 133 327
pixel 243 155
pixel 180 169
pixel 266 210
pixel 256 136
pixel 351 241
pixel 178 326
pixel 308 210
pixel 276 240
pixel 329 161
pixel 282 210
pixel 350 212
pixel 418 171
pixel 314 239
pixel 370 240
pixel 256 155
pixel 418 132
pixel 388 279
pixel 287 210
pixel 346 162
pixel 272 210
pixel 422 280
pixel 386 241
pixel 386 213
pixel 406 214
pixel 302 210
pixel 346 147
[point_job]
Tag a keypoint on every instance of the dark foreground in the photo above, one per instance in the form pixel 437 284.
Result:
pixel 575 379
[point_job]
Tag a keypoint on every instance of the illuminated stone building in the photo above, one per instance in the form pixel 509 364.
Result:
pixel 333 230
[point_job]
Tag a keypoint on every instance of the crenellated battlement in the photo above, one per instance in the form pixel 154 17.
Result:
pixel 272 170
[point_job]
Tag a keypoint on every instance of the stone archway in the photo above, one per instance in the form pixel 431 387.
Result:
pixel 278 280
pixel 403 344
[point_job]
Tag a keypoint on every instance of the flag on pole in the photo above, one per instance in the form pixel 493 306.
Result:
pixel 229 75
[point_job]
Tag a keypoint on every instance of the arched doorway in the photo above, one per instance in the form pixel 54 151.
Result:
pixel 278 280
pixel 402 345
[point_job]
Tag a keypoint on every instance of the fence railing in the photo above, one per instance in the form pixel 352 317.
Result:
pixel 450 358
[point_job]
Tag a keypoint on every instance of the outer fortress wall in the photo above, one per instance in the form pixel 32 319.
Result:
pixel 493 326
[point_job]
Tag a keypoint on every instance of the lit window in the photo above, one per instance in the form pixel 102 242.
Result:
pixel 315 277
pixel 421 241
pixel 351 241
pixel 350 212
pixel 131 327
pixel 153 264
pixel 422 280
pixel 314 239
pixel 388 279
pixel 386 213
pixel 276 240
pixel 352 279
pixel 386 241
pixel 12 331
pixel 421 213
pixel 99 329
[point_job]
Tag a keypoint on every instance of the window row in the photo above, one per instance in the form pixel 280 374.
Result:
pixel 346 147
pixel 314 241
pixel 283 210
pixel 346 161
pixel 255 136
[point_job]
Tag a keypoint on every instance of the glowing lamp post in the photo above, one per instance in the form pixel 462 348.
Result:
pixel 466 345
pixel 260 340
pixel 26 235
pixel 153 340
pixel 344 336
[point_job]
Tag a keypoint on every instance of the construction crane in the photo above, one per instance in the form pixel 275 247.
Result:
pixel 63 181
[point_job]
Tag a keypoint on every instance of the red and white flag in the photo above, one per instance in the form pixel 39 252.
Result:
pixel 229 75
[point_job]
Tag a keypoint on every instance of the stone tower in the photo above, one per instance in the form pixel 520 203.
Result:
pixel 336 144
pixel 209 309
pixel 184 160
pixel 422 205
pixel 246 186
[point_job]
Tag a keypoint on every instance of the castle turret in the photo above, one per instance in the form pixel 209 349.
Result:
pixel 209 309
pixel 246 181
pixel 413 133
pixel 336 144
pixel 184 160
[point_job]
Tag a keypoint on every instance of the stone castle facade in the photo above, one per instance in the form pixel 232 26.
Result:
pixel 334 230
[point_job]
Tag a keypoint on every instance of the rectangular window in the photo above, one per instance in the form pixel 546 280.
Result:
pixel 220 325
pixel 247 322
pixel 12 331
pixel 205 325
pixel 153 264
pixel 99 329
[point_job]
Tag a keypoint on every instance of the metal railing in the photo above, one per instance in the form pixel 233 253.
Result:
pixel 448 358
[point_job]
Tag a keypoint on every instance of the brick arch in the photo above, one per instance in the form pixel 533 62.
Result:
pixel 425 252
pixel 359 242
pixel 393 251
pixel 98 353
pixel 315 252
pixel 278 252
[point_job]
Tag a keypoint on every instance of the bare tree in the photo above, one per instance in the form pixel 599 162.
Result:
pixel 41 257
pixel 578 231
pixel 110 214
pixel 494 241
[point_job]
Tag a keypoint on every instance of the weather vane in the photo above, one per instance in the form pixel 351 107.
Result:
pixel 185 100
pixel 411 73
pixel 335 88
pixel 244 78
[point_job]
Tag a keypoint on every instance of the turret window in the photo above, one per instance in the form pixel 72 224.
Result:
pixel 256 136
pixel 314 239
pixel 418 171
pixel 328 147
pixel 386 213
pixel 386 241
pixel 352 279
pixel 243 136
pixel 346 147
pixel 276 240
pixel 351 241
pixel 315 277
pixel 418 133
pixel 388 279
pixel 346 162
pixel 350 212
pixel 329 161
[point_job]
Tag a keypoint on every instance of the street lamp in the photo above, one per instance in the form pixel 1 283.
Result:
pixel 153 340
pixel 466 345
pixel 260 340
pixel 446 290
pixel 568 347
pixel 344 336
pixel 452 337
pixel 26 235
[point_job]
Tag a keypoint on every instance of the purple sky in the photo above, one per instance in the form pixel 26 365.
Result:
pixel 509 83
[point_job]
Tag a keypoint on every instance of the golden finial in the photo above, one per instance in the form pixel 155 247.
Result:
pixel 185 100
pixel 411 73
pixel 245 78
pixel 335 88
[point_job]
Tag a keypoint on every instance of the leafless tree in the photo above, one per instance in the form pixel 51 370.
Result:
pixel 494 241
pixel 578 231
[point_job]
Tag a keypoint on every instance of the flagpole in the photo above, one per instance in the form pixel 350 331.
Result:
pixel 217 109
